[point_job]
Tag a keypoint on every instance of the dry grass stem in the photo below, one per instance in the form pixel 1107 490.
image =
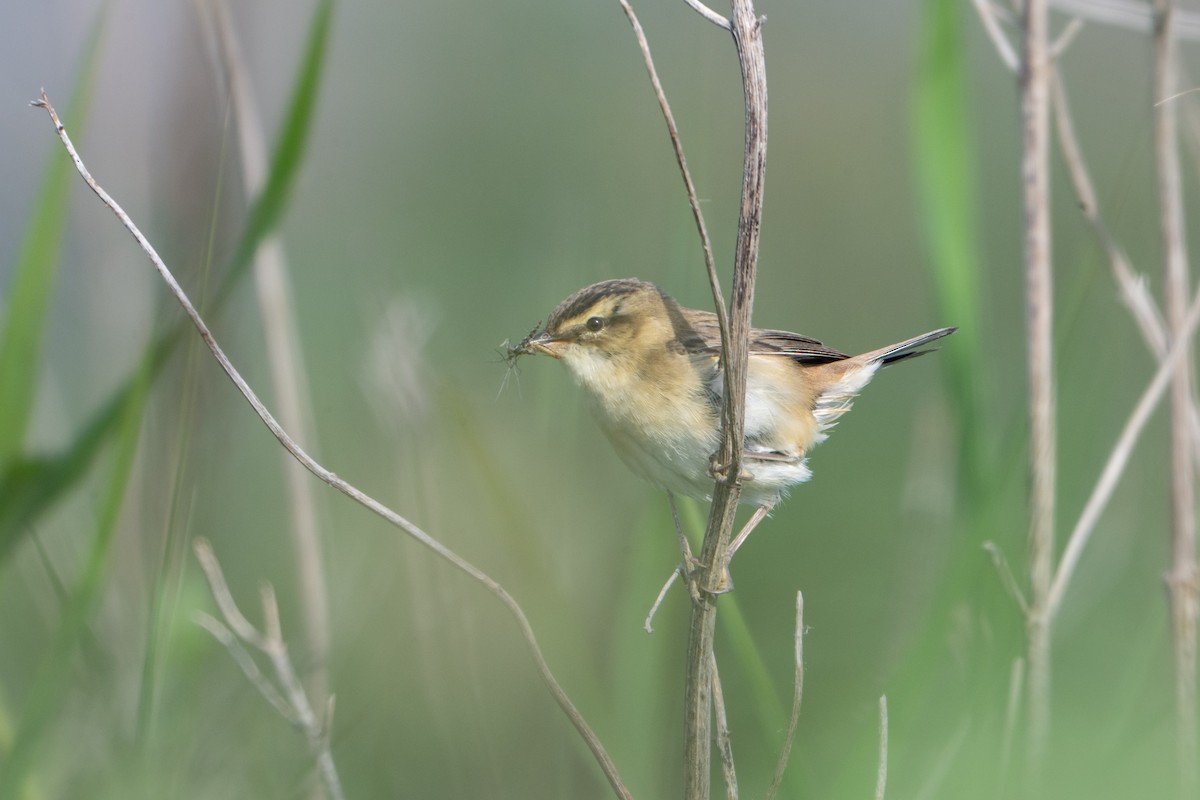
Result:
pixel 882 771
pixel 1007 578
pixel 1134 15
pixel 687 569
pixel 988 15
pixel 1183 579
pixel 724 745
pixel 708 14
pixel 1065 39
pixel 1039 319
pixel 797 695
pixel 747 36
pixel 685 551
pixel 662 593
pixel 1183 582
pixel 282 337
pixel 249 667
pixel 1191 120
pixel 710 265
pixel 288 696
pixel 351 491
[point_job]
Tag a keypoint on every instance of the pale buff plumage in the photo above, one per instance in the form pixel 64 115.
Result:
pixel 651 371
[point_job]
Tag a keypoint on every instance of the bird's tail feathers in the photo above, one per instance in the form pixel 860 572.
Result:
pixel 906 349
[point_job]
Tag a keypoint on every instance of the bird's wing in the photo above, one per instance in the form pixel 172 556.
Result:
pixel 706 337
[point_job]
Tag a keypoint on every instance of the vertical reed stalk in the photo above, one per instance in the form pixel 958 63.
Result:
pixel 1039 299
pixel 747 36
pixel 1181 577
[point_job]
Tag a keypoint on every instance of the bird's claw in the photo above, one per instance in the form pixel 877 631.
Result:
pixel 719 471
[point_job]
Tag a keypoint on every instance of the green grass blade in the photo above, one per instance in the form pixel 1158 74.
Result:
pixel 34 274
pixel 942 153
pixel 50 688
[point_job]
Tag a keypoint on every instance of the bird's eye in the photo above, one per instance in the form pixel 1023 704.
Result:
pixel 595 323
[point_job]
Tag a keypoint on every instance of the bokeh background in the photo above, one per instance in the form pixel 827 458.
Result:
pixel 469 165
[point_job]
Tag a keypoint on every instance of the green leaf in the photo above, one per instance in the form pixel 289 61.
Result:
pixel 946 188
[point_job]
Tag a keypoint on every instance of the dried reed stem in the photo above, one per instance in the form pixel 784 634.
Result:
pixel 1181 579
pixel 882 770
pixel 724 743
pixel 797 695
pixel 660 95
pixel 1039 300
pixel 747 36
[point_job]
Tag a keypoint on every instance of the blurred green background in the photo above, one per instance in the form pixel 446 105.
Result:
pixel 469 165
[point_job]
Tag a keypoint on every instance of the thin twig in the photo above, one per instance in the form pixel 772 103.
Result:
pixel 289 698
pixel 1064 40
pixel 677 145
pixel 882 771
pixel 441 550
pixel 797 695
pixel 1191 118
pixel 687 569
pixel 708 14
pixel 724 745
pixel 685 547
pixel 1007 577
pixel 662 593
pixel 685 550
pixel 235 621
pixel 1134 15
pixel 233 645
pixel 991 25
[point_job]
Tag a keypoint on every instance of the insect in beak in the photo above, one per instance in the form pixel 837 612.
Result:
pixel 537 341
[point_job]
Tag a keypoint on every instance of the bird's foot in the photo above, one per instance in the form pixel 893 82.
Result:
pixel 719 470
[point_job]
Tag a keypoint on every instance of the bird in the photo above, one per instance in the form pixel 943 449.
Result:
pixel 652 373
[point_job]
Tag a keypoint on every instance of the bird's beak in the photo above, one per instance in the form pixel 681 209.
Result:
pixel 540 342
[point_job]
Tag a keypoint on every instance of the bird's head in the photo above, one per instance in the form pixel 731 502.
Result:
pixel 606 332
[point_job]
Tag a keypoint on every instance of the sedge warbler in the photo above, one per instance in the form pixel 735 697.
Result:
pixel 651 370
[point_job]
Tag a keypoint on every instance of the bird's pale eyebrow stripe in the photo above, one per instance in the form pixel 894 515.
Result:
pixel 586 298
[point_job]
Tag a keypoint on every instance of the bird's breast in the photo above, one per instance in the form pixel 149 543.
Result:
pixel 662 423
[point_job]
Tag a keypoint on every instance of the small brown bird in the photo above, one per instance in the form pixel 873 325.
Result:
pixel 652 373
